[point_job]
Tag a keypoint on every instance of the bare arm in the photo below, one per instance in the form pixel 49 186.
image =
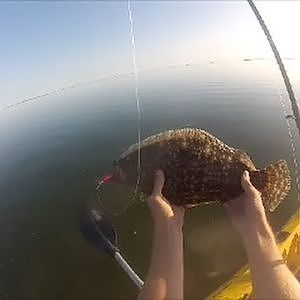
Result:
pixel 271 277
pixel 165 275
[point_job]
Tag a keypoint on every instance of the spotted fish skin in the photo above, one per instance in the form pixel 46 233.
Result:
pixel 198 167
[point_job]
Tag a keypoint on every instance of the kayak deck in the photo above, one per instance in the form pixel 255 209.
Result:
pixel 240 285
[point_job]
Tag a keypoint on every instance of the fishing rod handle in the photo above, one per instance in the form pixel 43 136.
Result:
pixel 126 267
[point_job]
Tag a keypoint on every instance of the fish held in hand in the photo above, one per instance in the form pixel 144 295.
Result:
pixel 199 168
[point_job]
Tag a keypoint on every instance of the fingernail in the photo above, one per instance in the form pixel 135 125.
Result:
pixel 246 174
pixel 159 172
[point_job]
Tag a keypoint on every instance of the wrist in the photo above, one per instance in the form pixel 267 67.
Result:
pixel 171 234
pixel 258 232
pixel 168 225
pixel 168 240
pixel 260 243
pixel 253 226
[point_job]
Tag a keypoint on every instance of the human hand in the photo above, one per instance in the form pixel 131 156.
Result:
pixel 162 211
pixel 247 212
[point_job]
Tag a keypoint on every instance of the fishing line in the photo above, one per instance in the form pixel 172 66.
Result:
pixel 289 89
pixel 137 94
pixel 279 61
pixel 139 125
pixel 138 110
pixel 288 118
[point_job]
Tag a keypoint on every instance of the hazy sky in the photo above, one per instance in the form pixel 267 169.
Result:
pixel 47 45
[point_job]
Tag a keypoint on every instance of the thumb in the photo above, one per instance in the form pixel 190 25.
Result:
pixel 158 183
pixel 247 185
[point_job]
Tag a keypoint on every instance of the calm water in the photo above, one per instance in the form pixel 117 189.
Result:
pixel 53 149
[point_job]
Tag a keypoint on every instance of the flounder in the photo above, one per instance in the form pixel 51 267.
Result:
pixel 199 168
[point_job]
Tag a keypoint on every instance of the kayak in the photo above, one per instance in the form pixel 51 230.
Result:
pixel 240 286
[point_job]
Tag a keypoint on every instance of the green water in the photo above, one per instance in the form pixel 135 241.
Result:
pixel 52 150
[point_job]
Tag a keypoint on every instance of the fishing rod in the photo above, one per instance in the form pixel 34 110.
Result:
pixel 293 100
pixel 100 234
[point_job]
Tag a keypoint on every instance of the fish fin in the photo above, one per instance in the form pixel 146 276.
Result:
pixel 241 153
pixel 243 157
pixel 274 183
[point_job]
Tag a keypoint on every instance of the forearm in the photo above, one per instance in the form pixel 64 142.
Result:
pixel 165 276
pixel 270 276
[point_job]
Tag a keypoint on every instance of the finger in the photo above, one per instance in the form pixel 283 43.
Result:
pixel 247 185
pixel 178 209
pixel 158 183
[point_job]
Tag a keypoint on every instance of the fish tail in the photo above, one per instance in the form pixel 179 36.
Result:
pixel 274 183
